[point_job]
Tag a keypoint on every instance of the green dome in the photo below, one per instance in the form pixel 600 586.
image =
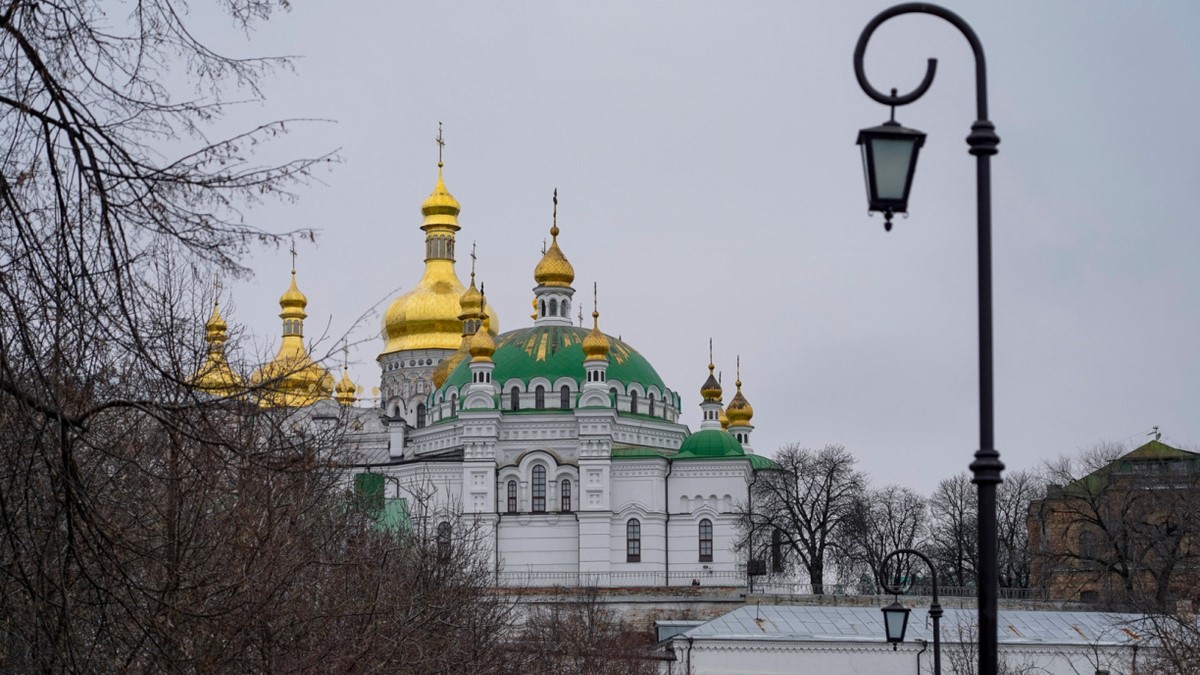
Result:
pixel 557 351
pixel 710 444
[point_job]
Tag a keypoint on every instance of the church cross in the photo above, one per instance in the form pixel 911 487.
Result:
pixel 441 143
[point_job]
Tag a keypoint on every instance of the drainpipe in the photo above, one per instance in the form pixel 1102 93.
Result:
pixel 667 526
pixel 924 646
pixel 689 656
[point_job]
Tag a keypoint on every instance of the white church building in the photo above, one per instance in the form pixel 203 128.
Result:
pixel 560 444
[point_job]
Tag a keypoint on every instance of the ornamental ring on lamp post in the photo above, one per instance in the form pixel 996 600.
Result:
pixel 895 615
pixel 889 170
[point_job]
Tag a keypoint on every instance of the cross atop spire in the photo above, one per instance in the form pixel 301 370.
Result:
pixel 441 144
pixel 293 256
pixel 554 213
pixel 472 260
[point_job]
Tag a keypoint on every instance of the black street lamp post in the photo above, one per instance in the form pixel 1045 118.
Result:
pixel 982 142
pixel 896 615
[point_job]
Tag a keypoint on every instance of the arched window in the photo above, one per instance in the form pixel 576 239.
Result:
pixel 565 491
pixel 512 496
pixel 539 397
pixel 652 404
pixel 453 404
pixel 776 551
pixel 553 307
pixel 706 540
pixel 633 402
pixel 543 308
pixel 443 539
pixel 515 395
pixel 539 489
pixel 566 308
pixel 613 392
pixel 420 415
pixel 1087 545
pixel 564 397
pixel 633 541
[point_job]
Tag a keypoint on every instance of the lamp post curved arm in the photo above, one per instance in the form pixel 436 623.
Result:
pixel 982 142
pixel 935 608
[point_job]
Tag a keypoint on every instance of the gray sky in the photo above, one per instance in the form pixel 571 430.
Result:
pixel 708 180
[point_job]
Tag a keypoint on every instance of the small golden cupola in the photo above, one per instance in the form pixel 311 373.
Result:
pixel 724 417
pixel 553 276
pixel 740 412
pixel 471 305
pixel 345 392
pixel 482 344
pixel 595 344
pixel 426 317
pixel 711 389
pixel 214 376
pixel 710 392
pixel 292 379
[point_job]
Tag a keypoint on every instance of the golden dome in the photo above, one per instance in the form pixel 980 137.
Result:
pixel 470 301
pixel 553 269
pixel 595 345
pixel 440 208
pixel 711 390
pixel 740 411
pixel 724 418
pixel 345 390
pixel 426 317
pixel 448 364
pixel 292 379
pixel 482 344
pixel 293 300
pixel 215 376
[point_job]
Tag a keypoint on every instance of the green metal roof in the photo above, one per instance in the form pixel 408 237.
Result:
pixel 710 444
pixel 557 351
pixel 760 463
pixel 1147 455
pixel 394 515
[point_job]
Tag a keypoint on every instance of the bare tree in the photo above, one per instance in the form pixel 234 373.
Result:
pixel 144 525
pixel 881 521
pixel 1013 499
pixel 579 635
pixel 806 501
pixel 953 511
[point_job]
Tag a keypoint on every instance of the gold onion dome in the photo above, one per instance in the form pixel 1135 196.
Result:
pixel 554 269
pixel 292 378
pixel 345 390
pixel 711 390
pixel 482 344
pixel 471 304
pixel 595 345
pixel 724 418
pixel 215 376
pixel 740 411
pixel 426 317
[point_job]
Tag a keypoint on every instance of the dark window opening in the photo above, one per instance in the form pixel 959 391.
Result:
pixel 566 496
pixel 633 402
pixel 443 540
pixel 706 540
pixel 453 405
pixel 539 397
pixel 564 397
pixel 553 307
pixel 515 395
pixel 652 405
pixel 539 489
pixel 633 541
pixel 420 415
pixel 512 496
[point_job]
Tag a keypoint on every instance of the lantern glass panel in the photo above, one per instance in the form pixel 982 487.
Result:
pixel 893 157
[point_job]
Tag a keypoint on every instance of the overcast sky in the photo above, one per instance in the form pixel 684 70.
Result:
pixel 709 182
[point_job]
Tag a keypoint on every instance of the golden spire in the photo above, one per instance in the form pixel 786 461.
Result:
pixel 215 376
pixel 482 345
pixel 711 390
pixel 740 411
pixel 440 208
pixel 344 392
pixel 554 269
pixel 595 345
pixel 292 378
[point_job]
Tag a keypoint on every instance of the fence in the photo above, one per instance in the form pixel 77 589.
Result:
pixel 537 579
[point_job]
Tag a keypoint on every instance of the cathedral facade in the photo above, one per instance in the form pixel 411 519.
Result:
pixel 557 444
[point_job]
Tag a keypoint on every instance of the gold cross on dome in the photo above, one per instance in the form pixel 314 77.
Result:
pixel 293 256
pixel 441 143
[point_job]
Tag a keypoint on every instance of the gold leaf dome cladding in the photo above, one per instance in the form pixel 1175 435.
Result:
pixel 346 389
pixel 482 344
pixel 711 389
pixel 292 378
pixel 595 344
pixel 554 269
pixel 426 317
pixel 215 376
pixel 740 412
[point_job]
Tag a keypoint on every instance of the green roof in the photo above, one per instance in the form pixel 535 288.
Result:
pixel 1139 459
pixel 557 351
pixel 760 463
pixel 394 515
pixel 710 444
